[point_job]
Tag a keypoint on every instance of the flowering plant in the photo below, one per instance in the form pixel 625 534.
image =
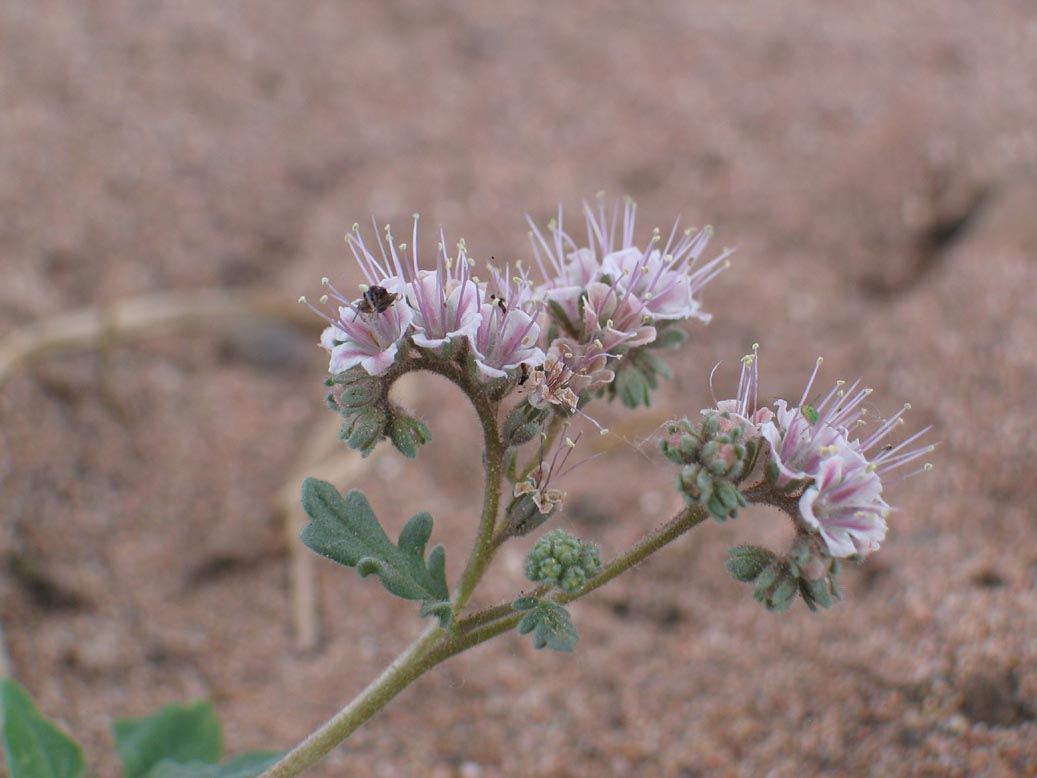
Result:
pixel 533 348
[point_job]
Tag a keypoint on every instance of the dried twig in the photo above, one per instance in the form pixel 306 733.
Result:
pixel 326 457
pixel 92 328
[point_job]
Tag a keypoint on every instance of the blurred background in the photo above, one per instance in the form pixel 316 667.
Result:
pixel 874 166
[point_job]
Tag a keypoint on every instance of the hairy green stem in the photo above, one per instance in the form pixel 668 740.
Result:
pixel 764 493
pixel 493 461
pixel 405 669
pixel 481 622
pixel 436 645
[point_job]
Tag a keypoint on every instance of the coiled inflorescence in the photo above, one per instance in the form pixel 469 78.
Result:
pixel 714 456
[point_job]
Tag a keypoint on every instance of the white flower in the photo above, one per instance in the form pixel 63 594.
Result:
pixel 367 339
pixel 664 280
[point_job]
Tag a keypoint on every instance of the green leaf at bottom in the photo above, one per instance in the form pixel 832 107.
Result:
pixel 247 765
pixel 35 747
pixel 179 733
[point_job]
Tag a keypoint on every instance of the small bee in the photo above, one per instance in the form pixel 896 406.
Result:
pixel 499 302
pixel 376 300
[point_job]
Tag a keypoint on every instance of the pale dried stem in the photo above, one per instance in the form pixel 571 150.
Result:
pixel 326 457
pixel 98 327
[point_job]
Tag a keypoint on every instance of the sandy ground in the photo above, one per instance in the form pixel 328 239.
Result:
pixel 875 167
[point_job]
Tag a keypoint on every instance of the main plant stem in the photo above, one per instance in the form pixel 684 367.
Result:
pixel 436 645
pixel 406 668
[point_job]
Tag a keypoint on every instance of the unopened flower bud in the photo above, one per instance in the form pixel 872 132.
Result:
pixel 776 587
pixel 524 516
pixel 408 434
pixel 563 560
pixel 364 429
pixel 747 562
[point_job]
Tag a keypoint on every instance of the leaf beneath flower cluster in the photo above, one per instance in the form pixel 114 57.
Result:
pixel 549 622
pixel 35 747
pixel 181 741
pixel 345 530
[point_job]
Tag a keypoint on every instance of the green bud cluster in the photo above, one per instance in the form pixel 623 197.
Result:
pixel 714 456
pixel 562 560
pixel 806 570
pixel 363 401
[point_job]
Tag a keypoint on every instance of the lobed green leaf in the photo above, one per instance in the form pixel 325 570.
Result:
pixel 345 530
pixel 549 622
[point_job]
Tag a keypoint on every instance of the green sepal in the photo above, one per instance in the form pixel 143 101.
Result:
pixel 345 530
pixel 747 562
pixel 549 622
pixel 650 364
pixel 248 765
pixel 35 746
pixel 408 434
pixel 632 387
pixel 179 733
pixel 783 594
pixel 559 315
pixel 636 376
pixel 523 423
pixel 364 429
pixel 816 593
pixel 766 579
pixel 670 336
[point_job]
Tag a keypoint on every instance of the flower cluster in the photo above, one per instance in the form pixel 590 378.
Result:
pixel 597 302
pixel 829 454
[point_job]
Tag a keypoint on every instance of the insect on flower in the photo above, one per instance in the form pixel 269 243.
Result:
pixel 376 300
pixel 525 370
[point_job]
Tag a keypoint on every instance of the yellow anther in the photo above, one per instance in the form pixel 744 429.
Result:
pixel 323 299
pixel 302 299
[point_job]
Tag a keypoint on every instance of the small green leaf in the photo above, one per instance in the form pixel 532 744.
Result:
pixel 247 765
pixel 181 733
pixel 35 747
pixel 346 531
pixel 549 622
pixel 747 562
